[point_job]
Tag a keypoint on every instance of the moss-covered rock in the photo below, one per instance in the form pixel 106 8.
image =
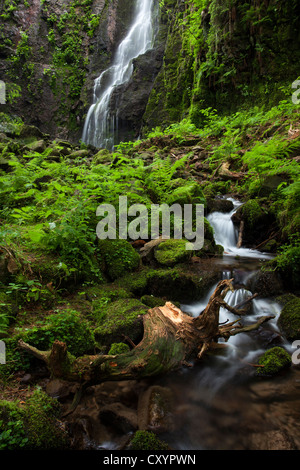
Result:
pixel 172 252
pixel 33 426
pixel 120 318
pixel 67 326
pixel 119 257
pixel 118 348
pixel 273 361
pixel 152 301
pixel 179 284
pixel 289 319
pixel 102 157
pixel 146 440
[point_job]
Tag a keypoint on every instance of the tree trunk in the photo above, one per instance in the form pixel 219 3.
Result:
pixel 171 338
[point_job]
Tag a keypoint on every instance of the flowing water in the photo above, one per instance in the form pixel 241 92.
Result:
pixel 219 403
pixel 101 125
pixel 213 398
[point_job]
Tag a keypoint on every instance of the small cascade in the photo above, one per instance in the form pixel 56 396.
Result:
pixel 101 123
pixel 226 234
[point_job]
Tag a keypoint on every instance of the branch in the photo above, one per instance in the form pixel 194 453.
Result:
pixel 252 327
pixel 234 329
pixel 42 355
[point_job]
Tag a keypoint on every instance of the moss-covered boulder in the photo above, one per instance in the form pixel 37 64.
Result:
pixel 67 326
pixel 273 361
pixel 179 284
pixel 147 440
pixel 118 348
pixel 135 283
pixel 151 301
pixel 289 319
pixel 257 219
pixel 119 257
pixel 33 426
pixel 38 146
pixel 123 317
pixel 102 157
pixel 172 252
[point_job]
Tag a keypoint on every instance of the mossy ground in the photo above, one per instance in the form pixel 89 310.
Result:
pixel 34 425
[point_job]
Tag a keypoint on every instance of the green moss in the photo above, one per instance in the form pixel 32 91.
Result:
pixel 34 426
pixel 287 263
pixel 102 157
pixel 178 283
pixel 152 301
pixel 172 252
pixel 118 348
pixel 119 256
pixel 289 319
pixel 68 326
pixel 136 282
pixel 119 318
pixel 273 361
pixel 145 440
pixel 251 212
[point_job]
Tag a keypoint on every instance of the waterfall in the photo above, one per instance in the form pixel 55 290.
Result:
pixel 101 123
pixel 226 234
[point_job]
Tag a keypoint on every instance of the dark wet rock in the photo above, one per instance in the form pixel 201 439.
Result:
pixel 266 284
pixel 30 131
pixel 37 146
pixel 119 417
pixel 272 440
pixel 219 205
pixel 155 409
pixel 60 389
pixel 79 154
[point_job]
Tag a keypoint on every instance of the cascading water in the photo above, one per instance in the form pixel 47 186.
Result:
pixel 226 234
pixel 101 123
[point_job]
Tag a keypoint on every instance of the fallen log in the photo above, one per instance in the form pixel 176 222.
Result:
pixel 171 338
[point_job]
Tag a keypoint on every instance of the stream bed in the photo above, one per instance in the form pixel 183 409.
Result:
pixel 219 403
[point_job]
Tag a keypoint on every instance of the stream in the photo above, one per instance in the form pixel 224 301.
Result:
pixel 218 403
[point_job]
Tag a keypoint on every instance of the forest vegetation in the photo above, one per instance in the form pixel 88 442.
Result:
pixel 220 119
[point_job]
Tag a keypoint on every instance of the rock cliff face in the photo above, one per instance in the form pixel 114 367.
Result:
pixel 51 52
pixel 219 54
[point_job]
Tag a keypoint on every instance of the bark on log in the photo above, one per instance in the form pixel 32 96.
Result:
pixel 171 338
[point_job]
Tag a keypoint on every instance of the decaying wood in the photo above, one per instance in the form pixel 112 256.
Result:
pixel 171 338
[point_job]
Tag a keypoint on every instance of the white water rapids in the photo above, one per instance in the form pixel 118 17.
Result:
pixel 101 123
